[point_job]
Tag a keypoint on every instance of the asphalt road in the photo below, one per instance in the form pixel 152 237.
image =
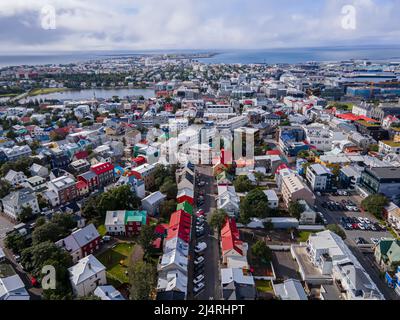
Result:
pixel 212 290
pixel 5 226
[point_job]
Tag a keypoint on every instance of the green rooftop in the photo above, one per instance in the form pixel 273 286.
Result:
pixel 185 206
pixel 136 216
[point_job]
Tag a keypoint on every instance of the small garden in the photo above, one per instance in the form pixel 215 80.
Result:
pixel 117 260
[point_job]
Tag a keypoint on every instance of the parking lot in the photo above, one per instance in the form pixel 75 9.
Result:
pixel 355 223
pixel 363 254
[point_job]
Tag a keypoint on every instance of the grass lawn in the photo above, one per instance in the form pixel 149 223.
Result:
pixel 264 286
pixel 36 92
pixel 112 260
pixel 102 230
pixel 304 235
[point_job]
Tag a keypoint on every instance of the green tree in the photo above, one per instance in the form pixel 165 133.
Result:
pixel 254 205
pixel 261 252
pixel 48 232
pixel 169 188
pixel 146 239
pixel 5 188
pixel 295 209
pixel 167 207
pixel 142 277
pixel 15 242
pixel 375 204
pixel 64 220
pixel 243 184
pixel 26 214
pixel 40 221
pixel 338 230
pixel 218 219
pixel 37 256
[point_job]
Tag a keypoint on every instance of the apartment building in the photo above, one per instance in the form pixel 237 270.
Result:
pixel 294 189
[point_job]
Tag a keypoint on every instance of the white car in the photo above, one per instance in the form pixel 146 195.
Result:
pixel 361 226
pixel 198 279
pixel 199 260
pixel 200 286
pixel 200 247
pixel 361 219
pixel 367 220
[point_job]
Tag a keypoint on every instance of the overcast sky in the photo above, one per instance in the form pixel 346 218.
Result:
pixel 194 24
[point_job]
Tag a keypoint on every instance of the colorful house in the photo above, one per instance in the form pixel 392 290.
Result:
pixel 125 223
pixel 185 206
pixel 231 245
pixel 185 194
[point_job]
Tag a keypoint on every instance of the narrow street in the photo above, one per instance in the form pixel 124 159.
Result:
pixel 212 289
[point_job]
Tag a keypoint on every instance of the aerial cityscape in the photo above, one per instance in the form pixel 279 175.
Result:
pixel 235 173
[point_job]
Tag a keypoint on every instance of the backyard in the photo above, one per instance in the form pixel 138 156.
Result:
pixel 118 259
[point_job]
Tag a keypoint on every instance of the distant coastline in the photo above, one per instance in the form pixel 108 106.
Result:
pixel 250 56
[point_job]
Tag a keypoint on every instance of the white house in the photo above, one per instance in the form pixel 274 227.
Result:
pixel 152 202
pixel 273 200
pixel 228 200
pixel 38 170
pixel 12 288
pixel 15 178
pixel 115 222
pixel 290 289
pixel 108 293
pixel 87 275
pixel 15 201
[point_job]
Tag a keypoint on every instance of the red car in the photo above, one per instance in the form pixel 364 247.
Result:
pixel 355 226
pixel 34 282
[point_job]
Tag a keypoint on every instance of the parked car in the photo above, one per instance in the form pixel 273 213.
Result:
pixel 106 238
pixel 200 247
pixel 199 287
pixel 199 260
pixel 198 279
pixel 200 213
pixel 361 226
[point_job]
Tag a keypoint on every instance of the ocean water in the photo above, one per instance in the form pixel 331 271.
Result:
pixel 269 56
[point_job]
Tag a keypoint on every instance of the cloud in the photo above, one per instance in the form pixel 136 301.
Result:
pixel 189 24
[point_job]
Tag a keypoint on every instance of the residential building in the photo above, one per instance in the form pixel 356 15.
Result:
pixel 12 288
pixel 104 173
pixel 294 189
pixel 146 173
pixel 81 243
pixel 385 180
pixel 152 202
pixel 387 254
pixel 228 200
pixel 87 275
pixel 290 289
pixel 125 223
pixel 326 259
pixel 65 189
pixel 15 178
pixel 14 202
pixel 273 200
pixel 107 293
pixel 237 284
pixel 319 177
